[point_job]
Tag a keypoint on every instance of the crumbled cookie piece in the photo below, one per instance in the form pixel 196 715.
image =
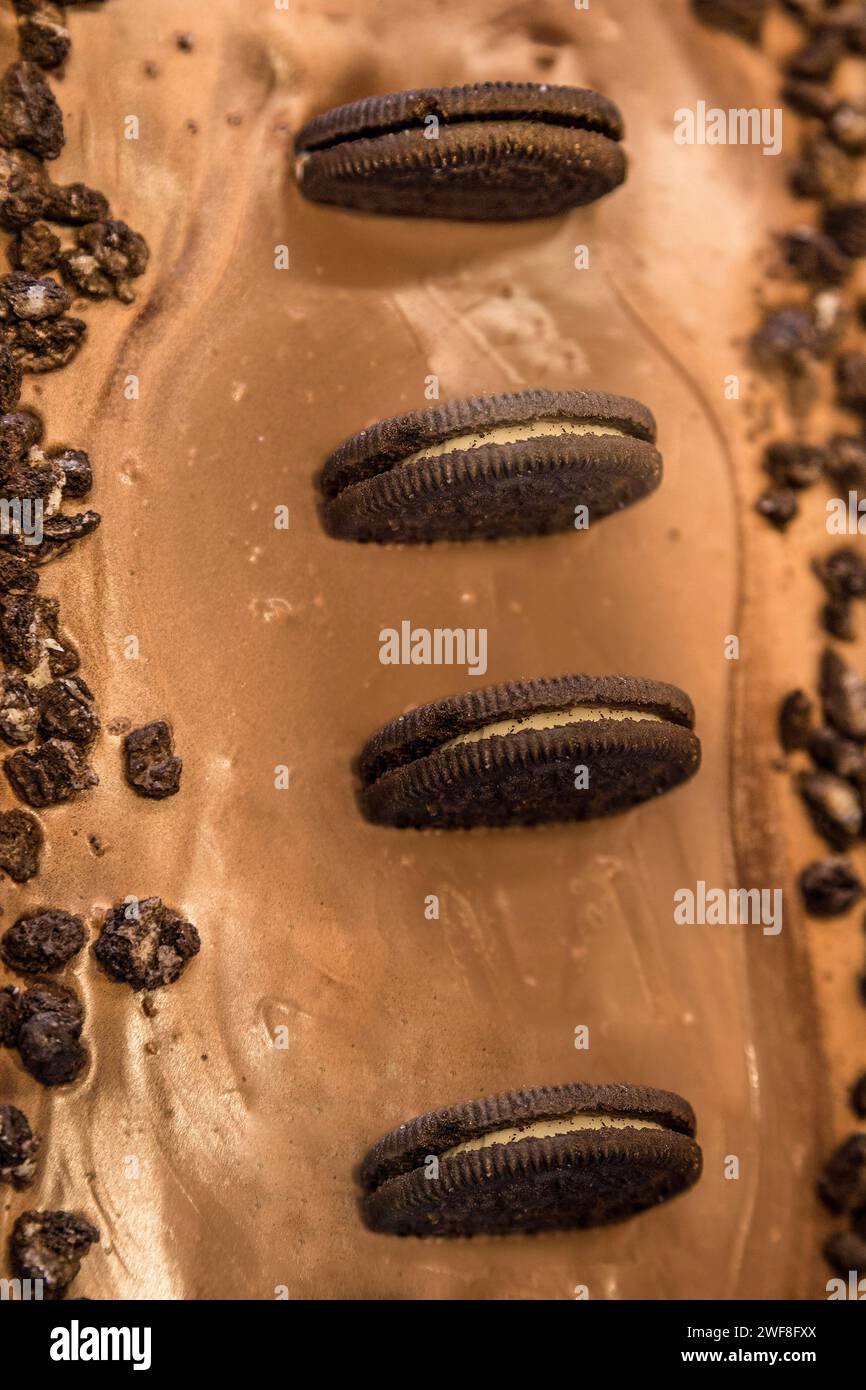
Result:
pixel 35 249
pixel 20 643
pixel 46 345
pixel 851 380
pixel 833 805
pixel 21 841
pixel 814 257
pixel 47 997
pixel 149 762
pixel 743 18
pixel 62 656
pixel 75 203
pixel 19 712
pixel 837 619
pixel 792 464
pixel 843 695
pixel 85 274
pixel 845 223
pixel 795 720
pixel 830 887
pixel 50 1050
pixel 30 633
pixel 34 477
pixel 20 431
pixel 10 1015
pixel 109 256
pixel 29 115
pixel 845 461
pixel 810 98
pixel 778 506
pixel 789 339
pixel 31 479
pixel 43 943
pixel 829 750
pixel 845 1252
pixel 842 1185
pixel 17 575
pixel 51 1019
pixel 18 1148
pixel 67 709
pixel 23 188
pixel 852 20
pixel 61 532
pixel 77 470
pixel 819 56
pixel 847 126
pixel 822 170
pixel 43 35
pixel 49 1246
pixel 58 532
pixel 11 379
pixel 842 572
pixel 56 771
pixel 24 296
pixel 145 944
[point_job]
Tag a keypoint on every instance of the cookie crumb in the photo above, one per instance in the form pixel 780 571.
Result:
pixel 830 887
pixel 150 765
pixel 49 1246
pixel 42 944
pixel 145 944
pixel 18 1148
pixel 795 720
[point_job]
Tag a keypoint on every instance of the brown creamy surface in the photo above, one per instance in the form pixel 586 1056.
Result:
pixel 262 647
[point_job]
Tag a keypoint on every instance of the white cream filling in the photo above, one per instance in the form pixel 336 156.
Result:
pixel 508 434
pixel 546 1129
pixel 550 719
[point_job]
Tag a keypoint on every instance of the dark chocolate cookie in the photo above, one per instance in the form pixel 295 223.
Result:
pixel 551 1159
pixel 568 748
pixel 494 151
pixel 494 466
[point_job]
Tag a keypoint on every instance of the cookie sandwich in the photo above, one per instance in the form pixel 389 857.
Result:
pixel 567 748
pixel 552 1159
pixel 492 151
pixel 517 464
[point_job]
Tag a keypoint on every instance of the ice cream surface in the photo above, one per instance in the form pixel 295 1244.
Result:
pixel 214 1136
